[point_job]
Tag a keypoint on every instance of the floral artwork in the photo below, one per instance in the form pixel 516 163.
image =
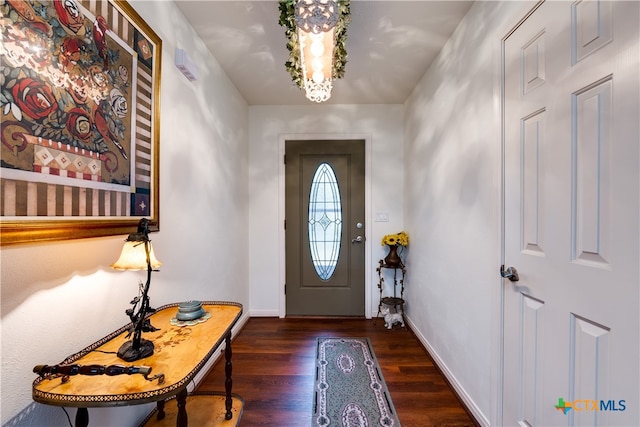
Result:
pixel 65 78
pixel 73 122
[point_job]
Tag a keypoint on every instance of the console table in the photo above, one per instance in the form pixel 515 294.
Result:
pixel 180 353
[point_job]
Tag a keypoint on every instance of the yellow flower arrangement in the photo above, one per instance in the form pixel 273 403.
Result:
pixel 398 239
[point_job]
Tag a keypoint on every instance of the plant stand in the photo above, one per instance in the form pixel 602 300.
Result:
pixel 395 301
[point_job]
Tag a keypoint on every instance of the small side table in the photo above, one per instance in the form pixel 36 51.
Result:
pixel 180 353
pixel 395 301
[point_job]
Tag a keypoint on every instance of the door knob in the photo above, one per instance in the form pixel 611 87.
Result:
pixel 358 239
pixel 510 273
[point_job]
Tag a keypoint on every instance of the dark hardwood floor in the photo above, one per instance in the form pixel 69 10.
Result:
pixel 273 370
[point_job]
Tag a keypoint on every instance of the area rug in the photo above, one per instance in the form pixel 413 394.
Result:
pixel 349 388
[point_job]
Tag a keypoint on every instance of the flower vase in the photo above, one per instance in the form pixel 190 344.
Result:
pixel 393 259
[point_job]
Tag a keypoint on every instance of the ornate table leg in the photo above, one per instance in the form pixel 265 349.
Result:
pixel 160 406
pixel 228 383
pixel 181 420
pixel 82 417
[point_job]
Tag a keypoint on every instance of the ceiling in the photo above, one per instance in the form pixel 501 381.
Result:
pixel 390 45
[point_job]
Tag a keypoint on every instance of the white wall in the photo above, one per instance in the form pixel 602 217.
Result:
pixel 380 125
pixel 452 205
pixel 58 298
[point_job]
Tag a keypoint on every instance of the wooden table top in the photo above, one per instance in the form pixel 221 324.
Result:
pixel 180 352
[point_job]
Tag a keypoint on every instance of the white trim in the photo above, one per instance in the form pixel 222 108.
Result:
pixel 367 209
pixel 264 313
pixel 497 309
pixel 479 416
pixel 497 336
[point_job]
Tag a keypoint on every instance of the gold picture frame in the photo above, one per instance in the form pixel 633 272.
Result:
pixel 79 114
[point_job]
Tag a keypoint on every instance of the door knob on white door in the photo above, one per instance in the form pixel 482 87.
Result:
pixel 510 273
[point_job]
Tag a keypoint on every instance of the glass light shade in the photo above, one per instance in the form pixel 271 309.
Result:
pixel 316 37
pixel 134 257
pixel 316 57
pixel 316 64
pixel 317 48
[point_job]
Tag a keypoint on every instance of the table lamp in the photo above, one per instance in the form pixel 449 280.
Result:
pixel 137 254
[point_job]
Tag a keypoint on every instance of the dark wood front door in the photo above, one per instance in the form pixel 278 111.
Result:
pixel 325 231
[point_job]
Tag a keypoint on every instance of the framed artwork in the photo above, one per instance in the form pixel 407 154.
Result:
pixel 79 114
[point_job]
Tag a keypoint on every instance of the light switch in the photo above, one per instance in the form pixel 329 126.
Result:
pixel 382 216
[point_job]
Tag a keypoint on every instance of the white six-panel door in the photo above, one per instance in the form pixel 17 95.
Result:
pixel 572 185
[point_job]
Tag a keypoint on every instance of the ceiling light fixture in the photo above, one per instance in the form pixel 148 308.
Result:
pixel 316 30
pixel 315 20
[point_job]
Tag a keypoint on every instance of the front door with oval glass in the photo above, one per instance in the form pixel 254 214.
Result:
pixel 324 210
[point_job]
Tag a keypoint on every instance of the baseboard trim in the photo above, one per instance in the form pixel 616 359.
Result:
pixel 264 313
pixel 472 408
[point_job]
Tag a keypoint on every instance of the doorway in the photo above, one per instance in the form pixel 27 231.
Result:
pixel 325 227
pixel 571 185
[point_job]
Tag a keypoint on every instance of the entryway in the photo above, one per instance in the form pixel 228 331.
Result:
pixel 325 227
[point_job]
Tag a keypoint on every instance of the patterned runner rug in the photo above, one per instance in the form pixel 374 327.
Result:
pixel 349 389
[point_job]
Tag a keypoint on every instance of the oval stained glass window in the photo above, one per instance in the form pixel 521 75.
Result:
pixel 325 221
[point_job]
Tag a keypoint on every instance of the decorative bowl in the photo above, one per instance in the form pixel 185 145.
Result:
pixel 190 310
pixel 192 315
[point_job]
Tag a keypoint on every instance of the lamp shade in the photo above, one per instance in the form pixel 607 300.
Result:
pixel 134 257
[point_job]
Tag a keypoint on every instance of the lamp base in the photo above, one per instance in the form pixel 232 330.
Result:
pixel 127 353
